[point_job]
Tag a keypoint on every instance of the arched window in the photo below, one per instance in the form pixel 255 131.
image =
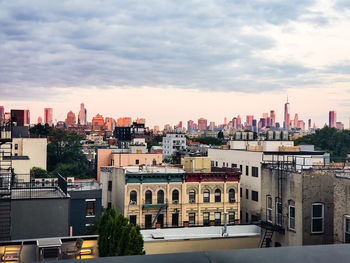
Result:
pixel 148 197
pixel 160 197
pixel 175 196
pixel 133 197
pixel 206 196
pixel 192 196
pixel 154 162
pixel 231 196
pixel 217 195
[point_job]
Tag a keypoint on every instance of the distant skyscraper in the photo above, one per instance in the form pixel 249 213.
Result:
pixel 212 126
pixel 239 122
pixel 296 119
pixel 309 124
pixel 2 114
pixel 332 119
pixel 110 123
pixel 225 121
pixel 286 124
pixel 124 122
pixel 26 117
pixel 18 117
pixel 250 120
pixel 98 120
pixel 71 120
pixel 339 125
pixel 82 118
pixel 273 118
pixel 190 126
pixel 202 124
pixel 48 116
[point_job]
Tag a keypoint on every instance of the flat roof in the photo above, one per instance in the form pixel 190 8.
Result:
pixel 37 193
pixel 84 185
pixel 150 235
pixel 153 170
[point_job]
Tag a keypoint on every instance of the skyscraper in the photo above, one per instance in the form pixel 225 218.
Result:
pixel 332 118
pixel 2 114
pixel 190 126
pixel 48 116
pixel 202 124
pixel 26 117
pixel 82 115
pixel 273 118
pixel 286 124
pixel 71 120
pixel 309 124
pixel 249 121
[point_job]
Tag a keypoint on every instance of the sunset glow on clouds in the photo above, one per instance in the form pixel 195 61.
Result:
pixel 170 60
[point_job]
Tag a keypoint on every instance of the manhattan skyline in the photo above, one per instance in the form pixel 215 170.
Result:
pixel 211 60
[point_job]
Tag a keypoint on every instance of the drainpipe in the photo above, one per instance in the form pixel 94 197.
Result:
pixel 224 231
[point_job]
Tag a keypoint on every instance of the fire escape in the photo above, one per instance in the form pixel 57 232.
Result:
pixel 281 164
pixel 5 182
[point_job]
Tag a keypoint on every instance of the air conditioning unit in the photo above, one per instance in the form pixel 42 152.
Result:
pixel 133 202
pixel 175 201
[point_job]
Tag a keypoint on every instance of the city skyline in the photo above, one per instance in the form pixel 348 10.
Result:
pixel 214 60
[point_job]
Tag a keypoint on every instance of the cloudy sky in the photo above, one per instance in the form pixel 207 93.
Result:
pixel 176 60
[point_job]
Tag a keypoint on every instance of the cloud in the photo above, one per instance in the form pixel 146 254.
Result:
pixel 216 45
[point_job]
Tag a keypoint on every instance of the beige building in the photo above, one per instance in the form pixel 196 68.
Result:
pixel 196 164
pixel 169 197
pixel 248 156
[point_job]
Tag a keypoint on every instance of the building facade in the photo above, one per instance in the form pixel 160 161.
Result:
pixel 169 197
pixel 173 142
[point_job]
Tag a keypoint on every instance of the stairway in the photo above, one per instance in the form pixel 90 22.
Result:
pixel 5 219
pixel 266 239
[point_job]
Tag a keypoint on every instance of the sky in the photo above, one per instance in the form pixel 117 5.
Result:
pixel 176 60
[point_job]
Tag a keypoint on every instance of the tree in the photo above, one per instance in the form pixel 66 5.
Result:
pixel 38 172
pixel 220 135
pixel 117 237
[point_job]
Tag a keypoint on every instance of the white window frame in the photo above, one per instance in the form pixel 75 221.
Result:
pixel 290 218
pixel 346 217
pixel 312 218
pixel 268 209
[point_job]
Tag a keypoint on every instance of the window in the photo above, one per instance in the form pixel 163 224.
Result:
pixel 255 171
pixel 231 218
pixel 217 218
pixel 278 213
pixel 223 164
pixel 317 218
pixel 137 161
pixel 269 208
pixel 347 229
pixel 132 220
pixel 216 164
pixel 241 168
pixel 175 196
pixel 154 162
pixel 191 219
pixel 231 196
pixel 240 192
pixel 90 211
pixel 217 195
pixel 291 217
pixel 109 185
pixel 255 196
pixel 148 197
pixel 246 194
pixel 109 205
pixel 206 219
pixel 192 196
pixel 16 146
pixel 246 217
pixel 133 197
pixel 160 197
pixel 233 165
pixel 206 196
pixel 246 170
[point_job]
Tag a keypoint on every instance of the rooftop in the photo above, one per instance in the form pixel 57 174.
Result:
pixel 150 235
pixel 153 169
pixel 84 185
pixel 37 193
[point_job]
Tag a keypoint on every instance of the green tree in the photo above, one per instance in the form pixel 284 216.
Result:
pixel 220 135
pixel 38 172
pixel 208 140
pixel 40 131
pixel 117 237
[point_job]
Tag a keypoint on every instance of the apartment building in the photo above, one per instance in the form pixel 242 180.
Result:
pixel 248 156
pixel 169 197
pixel 173 142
